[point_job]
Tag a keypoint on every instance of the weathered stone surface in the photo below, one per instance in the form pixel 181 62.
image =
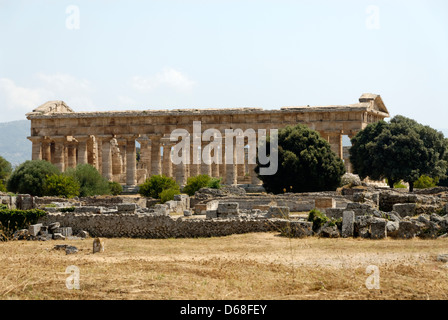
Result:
pixel 70 249
pixel 53 226
pixel 322 204
pixel 92 209
pixel 392 228
pixel 58 236
pixel 294 229
pixel 348 223
pixel 405 209
pixel 188 213
pixel 126 207
pixel 281 212
pixel 34 229
pixel 83 234
pixel 408 229
pixel 329 232
pixel 228 207
pixel 378 229
pixel 442 257
pixel 211 214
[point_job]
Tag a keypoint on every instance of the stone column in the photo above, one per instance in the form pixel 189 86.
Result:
pixel 335 140
pixel 181 171
pixel 106 156
pixel 195 168
pixel 167 168
pixel 59 152
pixel 222 166
pixel 131 161
pixel 231 173
pixel 215 165
pixel 46 149
pixel 205 168
pixel 82 149
pixel 36 153
pixel 156 168
pixel 145 155
pixel 71 152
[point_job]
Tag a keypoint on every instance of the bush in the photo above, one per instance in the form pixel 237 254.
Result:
pixel 153 186
pixel 201 181
pixel 91 182
pixel 115 188
pixel 61 185
pixel 30 176
pixel 317 218
pixel 2 187
pixel 168 194
pixel 12 219
pixel 425 182
pixel 215 183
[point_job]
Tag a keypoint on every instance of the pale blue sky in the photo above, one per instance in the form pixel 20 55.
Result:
pixel 180 54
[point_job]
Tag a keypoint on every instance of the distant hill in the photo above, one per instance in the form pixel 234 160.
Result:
pixel 14 146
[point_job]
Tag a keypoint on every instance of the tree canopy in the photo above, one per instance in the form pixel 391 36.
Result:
pixel 400 150
pixel 306 163
pixel 30 177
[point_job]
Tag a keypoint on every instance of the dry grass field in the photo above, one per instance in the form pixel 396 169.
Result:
pixel 248 266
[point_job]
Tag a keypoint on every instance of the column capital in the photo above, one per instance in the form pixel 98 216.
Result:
pixel 36 138
pixel 81 138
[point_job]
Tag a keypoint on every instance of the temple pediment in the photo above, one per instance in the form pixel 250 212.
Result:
pixel 375 101
pixel 53 107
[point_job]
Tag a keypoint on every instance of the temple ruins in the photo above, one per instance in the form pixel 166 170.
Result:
pixel 109 140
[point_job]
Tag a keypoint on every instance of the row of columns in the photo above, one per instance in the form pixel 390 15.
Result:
pixel 115 156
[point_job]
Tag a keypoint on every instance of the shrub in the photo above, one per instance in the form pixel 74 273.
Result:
pixel 30 176
pixel 425 182
pixel 91 182
pixel 153 186
pixel 196 183
pixel 61 185
pixel 13 219
pixel 168 194
pixel 215 183
pixel 115 188
pixel 317 218
pixel 2 187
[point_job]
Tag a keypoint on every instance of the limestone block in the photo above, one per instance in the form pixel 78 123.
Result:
pixel 58 236
pixel 324 203
pixel 278 212
pixel 161 209
pixel 228 208
pixel 34 229
pixel 211 214
pixel 378 229
pixel 405 209
pixel 126 207
pixel 187 213
pixel 92 209
pixel 348 223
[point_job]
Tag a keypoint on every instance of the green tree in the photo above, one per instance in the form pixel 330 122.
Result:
pixel 400 150
pixel 305 163
pixel 30 176
pixel 153 186
pixel 91 182
pixel 5 170
pixel 61 185
pixel 425 182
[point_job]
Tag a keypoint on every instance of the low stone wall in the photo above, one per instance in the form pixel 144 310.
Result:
pixel 163 226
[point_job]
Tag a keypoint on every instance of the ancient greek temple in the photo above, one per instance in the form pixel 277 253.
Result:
pixel 109 140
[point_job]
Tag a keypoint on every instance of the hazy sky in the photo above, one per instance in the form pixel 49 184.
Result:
pixel 112 55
